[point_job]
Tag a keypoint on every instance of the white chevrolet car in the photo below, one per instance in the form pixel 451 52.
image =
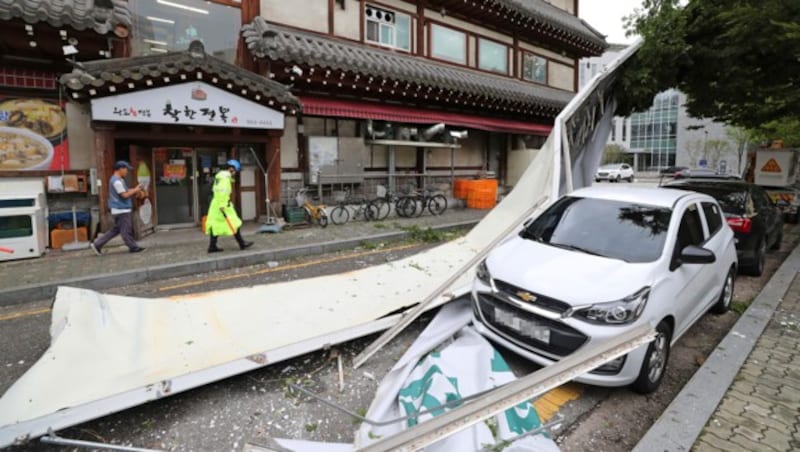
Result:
pixel 614 172
pixel 602 260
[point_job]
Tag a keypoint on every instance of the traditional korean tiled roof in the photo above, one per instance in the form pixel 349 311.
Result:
pixel 102 16
pixel 544 11
pixel 279 43
pixel 116 76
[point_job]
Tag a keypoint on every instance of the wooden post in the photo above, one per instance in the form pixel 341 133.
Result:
pixel 274 171
pixel 104 162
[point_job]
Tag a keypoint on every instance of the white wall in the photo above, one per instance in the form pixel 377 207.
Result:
pixel 290 150
pixel 560 76
pixel 81 136
pixel 305 14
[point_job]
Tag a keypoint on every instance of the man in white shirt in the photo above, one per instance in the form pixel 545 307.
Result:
pixel 121 204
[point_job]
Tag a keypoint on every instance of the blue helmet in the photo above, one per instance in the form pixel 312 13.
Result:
pixel 235 164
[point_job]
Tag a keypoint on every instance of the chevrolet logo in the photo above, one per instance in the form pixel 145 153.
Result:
pixel 526 296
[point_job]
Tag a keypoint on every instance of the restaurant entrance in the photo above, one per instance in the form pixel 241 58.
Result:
pixel 182 181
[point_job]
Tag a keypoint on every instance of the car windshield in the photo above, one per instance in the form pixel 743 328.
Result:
pixel 613 229
pixel 731 199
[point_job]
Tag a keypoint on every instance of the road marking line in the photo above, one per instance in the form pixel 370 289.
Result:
pixel 549 404
pixel 17 315
pixel 289 267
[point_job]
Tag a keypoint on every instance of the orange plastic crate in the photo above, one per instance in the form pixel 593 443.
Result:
pixel 60 237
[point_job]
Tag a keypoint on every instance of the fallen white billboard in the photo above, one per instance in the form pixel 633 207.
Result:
pixel 114 352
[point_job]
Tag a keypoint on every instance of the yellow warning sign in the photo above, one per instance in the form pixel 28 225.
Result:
pixel 771 167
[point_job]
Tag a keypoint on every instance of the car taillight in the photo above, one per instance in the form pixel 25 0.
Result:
pixel 740 224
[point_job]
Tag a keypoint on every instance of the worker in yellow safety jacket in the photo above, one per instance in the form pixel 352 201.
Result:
pixel 222 218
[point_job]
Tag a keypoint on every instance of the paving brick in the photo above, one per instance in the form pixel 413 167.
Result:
pixel 777 440
pixel 732 405
pixel 757 409
pixel 718 443
pixel 745 442
pixel 789 394
pixel 789 415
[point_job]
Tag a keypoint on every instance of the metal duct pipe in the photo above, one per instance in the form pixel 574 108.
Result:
pixel 432 131
pixel 371 131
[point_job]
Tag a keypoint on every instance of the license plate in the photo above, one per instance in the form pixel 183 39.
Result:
pixel 525 327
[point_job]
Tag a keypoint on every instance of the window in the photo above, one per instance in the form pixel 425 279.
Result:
pixel 713 217
pixel 16 226
pixel 691 230
pixel 624 128
pixel 534 68
pixel 492 56
pixel 160 27
pixel 448 44
pixel 614 229
pixel 388 28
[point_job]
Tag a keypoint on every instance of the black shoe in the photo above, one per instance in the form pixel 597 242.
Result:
pixel 137 250
pixel 245 245
pixel 214 249
pixel 95 249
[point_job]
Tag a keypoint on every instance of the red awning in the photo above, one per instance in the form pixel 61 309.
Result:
pixel 317 106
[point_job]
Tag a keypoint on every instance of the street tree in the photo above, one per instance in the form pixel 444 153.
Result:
pixel 614 153
pixel 738 61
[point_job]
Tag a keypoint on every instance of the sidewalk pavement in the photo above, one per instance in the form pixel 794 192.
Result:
pixel 183 252
pixel 746 396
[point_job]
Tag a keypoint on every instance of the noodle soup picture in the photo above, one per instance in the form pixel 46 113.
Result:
pixel 21 149
pixel 40 117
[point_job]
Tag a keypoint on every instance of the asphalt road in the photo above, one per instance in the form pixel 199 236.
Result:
pixel 249 407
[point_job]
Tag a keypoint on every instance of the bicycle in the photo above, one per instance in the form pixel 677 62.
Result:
pixel 383 204
pixel 314 214
pixel 362 208
pixel 415 204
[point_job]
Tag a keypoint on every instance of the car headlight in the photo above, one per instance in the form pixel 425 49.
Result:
pixel 617 312
pixel 482 272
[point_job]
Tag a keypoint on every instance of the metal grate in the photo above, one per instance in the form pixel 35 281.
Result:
pixel 563 338
pixel 541 300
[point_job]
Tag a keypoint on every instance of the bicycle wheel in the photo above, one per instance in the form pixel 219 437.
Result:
pixel 382 208
pixel 340 215
pixel 408 207
pixel 370 211
pixel 437 204
pixel 323 218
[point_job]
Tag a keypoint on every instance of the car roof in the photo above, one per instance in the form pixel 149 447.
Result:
pixel 734 184
pixel 636 195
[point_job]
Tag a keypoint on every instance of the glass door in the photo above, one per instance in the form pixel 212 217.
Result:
pixel 174 186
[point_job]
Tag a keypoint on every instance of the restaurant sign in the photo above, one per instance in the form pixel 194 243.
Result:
pixel 192 104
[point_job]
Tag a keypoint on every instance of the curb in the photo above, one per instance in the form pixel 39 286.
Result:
pixel 33 292
pixel 681 423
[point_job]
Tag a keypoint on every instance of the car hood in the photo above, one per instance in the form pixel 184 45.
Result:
pixel 612 170
pixel 573 277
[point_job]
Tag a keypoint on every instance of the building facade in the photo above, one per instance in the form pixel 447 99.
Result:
pixel 665 135
pixel 328 93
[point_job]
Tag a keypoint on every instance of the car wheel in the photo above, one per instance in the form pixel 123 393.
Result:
pixel 726 296
pixel 655 361
pixel 778 240
pixel 757 267
pixel 630 179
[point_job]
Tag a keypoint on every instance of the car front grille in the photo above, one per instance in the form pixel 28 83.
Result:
pixel 541 301
pixel 602 174
pixel 563 338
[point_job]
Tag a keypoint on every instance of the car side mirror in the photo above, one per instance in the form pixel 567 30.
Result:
pixel 696 255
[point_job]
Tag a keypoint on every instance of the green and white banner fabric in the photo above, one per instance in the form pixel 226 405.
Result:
pixel 450 361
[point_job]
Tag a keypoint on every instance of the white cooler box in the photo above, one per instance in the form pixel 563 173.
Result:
pixel 23 224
